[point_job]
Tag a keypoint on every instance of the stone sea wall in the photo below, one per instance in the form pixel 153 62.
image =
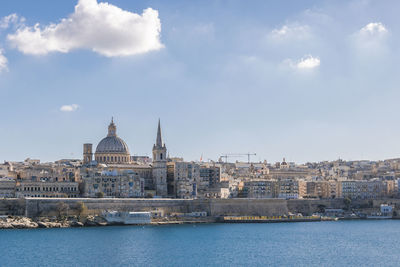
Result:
pixel 36 207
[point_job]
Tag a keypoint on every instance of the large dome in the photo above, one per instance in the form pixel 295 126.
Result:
pixel 112 144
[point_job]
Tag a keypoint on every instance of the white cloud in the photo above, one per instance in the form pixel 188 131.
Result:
pixel 3 62
pixel 371 42
pixel 12 19
pixel 291 32
pixel 374 28
pixel 307 62
pixel 101 27
pixel 69 108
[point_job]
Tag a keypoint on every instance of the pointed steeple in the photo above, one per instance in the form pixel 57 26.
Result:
pixel 159 139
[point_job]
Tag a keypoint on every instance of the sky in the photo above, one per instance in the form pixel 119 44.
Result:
pixel 305 80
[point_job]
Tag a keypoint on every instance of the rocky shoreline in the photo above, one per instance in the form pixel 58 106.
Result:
pixel 19 222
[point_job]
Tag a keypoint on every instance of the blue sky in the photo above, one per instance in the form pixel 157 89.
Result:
pixel 305 80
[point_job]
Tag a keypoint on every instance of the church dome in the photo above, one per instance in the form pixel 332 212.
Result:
pixel 112 144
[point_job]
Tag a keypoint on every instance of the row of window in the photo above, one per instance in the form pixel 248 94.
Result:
pixel 39 195
pixel 112 159
pixel 50 189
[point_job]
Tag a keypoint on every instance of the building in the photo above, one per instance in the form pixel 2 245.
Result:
pixel 363 189
pixel 111 149
pixel 127 184
pixel 112 153
pixel 260 189
pixel 183 178
pixel 4 170
pixel 318 189
pixel 160 164
pixel 335 190
pixel 7 187
pixel 87 153
pixel 47 189
pixel 291 188
pixel 210 176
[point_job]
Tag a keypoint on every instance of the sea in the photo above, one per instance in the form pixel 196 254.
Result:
pixel 340 243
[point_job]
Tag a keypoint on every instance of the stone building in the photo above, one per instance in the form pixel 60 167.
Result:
pixel 160 164
pixel 355 189
pixel 127 184
pixel 47 189
pixel 183 178
pixel 210 176
pixel 87 153
pixel 112 153
pixel 318 189
pixel 291 188
pixel 111 148
pixel 7 187
pixel 260 189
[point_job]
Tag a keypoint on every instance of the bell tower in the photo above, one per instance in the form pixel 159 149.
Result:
pixel 87 153
pixel 160 164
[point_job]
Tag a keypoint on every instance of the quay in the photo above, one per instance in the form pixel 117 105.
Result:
pixel 267 219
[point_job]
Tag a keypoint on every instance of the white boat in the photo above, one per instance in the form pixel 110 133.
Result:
pixel 120 217
pixel 379 217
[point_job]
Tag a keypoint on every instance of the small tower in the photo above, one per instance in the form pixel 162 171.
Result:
pixel 160 164
pixel 87 153
pixel 112 129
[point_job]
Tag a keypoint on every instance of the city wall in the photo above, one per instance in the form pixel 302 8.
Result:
pixel 34 207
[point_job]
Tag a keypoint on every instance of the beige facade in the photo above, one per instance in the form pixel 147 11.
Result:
pixel 318 189
pixel 291 188
pixel 7 187
pixel 113 184
pixel 260 189
pixel 183 178
pixel 363 189
pixel 47 189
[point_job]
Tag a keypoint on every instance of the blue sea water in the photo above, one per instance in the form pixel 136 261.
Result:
pixel 343 243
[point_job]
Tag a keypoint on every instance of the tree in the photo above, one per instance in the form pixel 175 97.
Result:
pixel 81 208
pixel 347 203
pixel 321 208
pixel 62 209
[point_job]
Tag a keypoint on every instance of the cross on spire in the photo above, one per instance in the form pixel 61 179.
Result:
pixel 159 138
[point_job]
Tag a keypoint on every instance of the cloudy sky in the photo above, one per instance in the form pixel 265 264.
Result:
pixel 306 80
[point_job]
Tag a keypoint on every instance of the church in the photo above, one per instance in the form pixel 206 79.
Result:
pixel 113 154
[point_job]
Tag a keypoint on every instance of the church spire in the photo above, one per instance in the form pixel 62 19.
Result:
pixel 159 139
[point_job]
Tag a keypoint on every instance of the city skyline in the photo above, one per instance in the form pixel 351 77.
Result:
pixel 308 81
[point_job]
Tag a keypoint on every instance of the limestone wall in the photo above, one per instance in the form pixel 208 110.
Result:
pixel 214 207
pixel 49 206
pixel 251 207
pixel 12 206
pixel 310 206
pixel 33 207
